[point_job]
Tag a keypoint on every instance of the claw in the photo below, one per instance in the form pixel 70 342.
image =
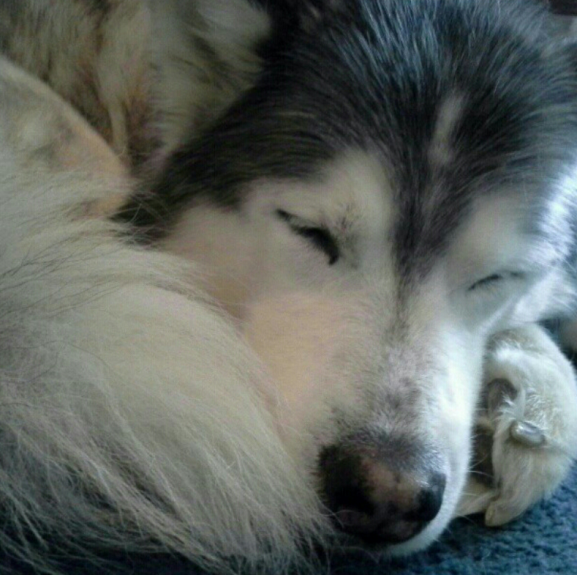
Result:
pixel 527 434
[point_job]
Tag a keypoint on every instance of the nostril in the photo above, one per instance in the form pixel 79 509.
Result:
pixel 353 511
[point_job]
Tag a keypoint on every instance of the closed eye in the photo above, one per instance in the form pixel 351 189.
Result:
pixel 319 237
pixel 494 279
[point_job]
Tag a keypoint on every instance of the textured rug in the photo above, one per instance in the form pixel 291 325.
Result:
pixel 542 542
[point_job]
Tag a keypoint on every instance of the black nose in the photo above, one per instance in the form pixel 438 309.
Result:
pixel 381 495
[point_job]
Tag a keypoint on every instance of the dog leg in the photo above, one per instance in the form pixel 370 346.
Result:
pixel 526 431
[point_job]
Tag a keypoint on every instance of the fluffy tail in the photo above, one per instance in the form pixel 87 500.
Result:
pixel 132 415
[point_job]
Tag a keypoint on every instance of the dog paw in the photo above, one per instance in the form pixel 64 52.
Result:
pixel 526 432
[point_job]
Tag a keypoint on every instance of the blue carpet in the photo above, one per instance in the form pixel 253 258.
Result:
pixel 542 542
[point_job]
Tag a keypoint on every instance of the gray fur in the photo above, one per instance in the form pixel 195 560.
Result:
pixel 386 71
pixel 137 416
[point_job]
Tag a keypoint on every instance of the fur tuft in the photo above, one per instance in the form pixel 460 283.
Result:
pixel 106 436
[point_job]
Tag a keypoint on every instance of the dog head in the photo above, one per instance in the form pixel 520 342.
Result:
pixel 379 188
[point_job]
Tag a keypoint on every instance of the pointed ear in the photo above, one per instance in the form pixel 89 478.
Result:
pixel 204 52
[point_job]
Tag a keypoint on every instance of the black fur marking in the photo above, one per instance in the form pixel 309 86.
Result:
pixel 566 7
pixel 373 76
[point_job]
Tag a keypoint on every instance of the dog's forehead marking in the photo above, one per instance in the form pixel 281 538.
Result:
pixel 448 116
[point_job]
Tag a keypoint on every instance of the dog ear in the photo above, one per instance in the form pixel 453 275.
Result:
pixel 205 56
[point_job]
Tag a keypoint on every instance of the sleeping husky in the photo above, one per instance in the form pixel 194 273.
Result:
pixel 272 273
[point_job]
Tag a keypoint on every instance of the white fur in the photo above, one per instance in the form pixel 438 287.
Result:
pixel 114 366
pixel 544 380
pixel 201 431
pixel 340 339
pixel 440 152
